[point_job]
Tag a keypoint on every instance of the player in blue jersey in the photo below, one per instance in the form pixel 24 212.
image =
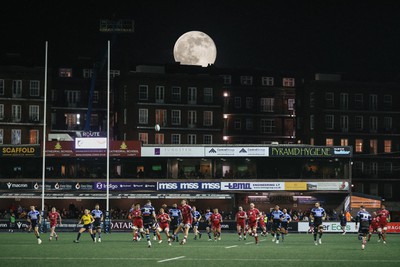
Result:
pixel 207 216
pixel 176 216
pixel 364 219
pixel 286 219
pixel 98 221
pixel 343 222
pixel 35 219
pixel 149 220
pixel 318 215
pixel 196 222
pixel 276 217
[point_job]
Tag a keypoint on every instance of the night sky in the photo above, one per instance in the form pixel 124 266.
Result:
pixel 325 36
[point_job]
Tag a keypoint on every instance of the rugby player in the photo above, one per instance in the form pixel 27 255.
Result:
pixel 186 222
pixel 286 219
pixel 196 221
pixel 343 222
pixel 262 223
pixel 98 221
pixel 374 227
pixel 53 217
pixel 163 224
pixel 276 217
pixel 216 220
pixel 137 221
pixel 241 217
pixel 317 216
pixel 149 220
pixel 207 216
pixel 87 220
pixel 35 219
pixel 384 218
pixel 364 219
pixel 253 216
pixel 175 215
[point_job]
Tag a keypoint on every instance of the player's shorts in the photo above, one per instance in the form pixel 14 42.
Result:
pixel 34 223
pixel 383 225
pixel 87 226
pixel 276 224
pixel 163 226
pixel 317 222
pixel 343 223
pixel 241 224
pixel 196 224
pixel 174 223
pixel 97 223
pixel 216 227
pixel 148 223
pixel 284 225
pixel 252 224
pixel 186 225
pixel 138 224
pixel 53 224
pixel 373 229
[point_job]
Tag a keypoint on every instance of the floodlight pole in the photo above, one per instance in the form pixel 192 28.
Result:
pixel 44 127
pixel 108 130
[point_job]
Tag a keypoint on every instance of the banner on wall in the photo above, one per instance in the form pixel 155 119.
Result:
pixel 20 151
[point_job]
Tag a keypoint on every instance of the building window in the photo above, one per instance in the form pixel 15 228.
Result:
pixel 143 92
pixel 33 137
pixel 329 122
pixel 330 100
pixel 267 81
pixel 373 146
pixel 1 136
pixel 34 88
pixel 237 124
pixel 159 139
pixel 249 102
pixel 65 72
pixel 15 136
pixel 344 101
pixel 249 124
pixel 2 87
pixel 192 95
pixel 329 142
pixel 34 113
pixel 388 146
pixel 267 126
pixel 160 94
pixel 72 120
pixel 288 82
pixel 373 102
pixel 237 102
pixel 387 101
pixel 144 138
pixel 208 118
pixel 312 99
pixel 192 118
pixel 359 122
pixel 1 112
pixel 208 95
pixel 388 167
pixel 73 97
pixel 16 113
pixel 359 100
pixel 291 102
pixel 344 142
pixel 373 124
pixel 344 123
pixel 143 116
pixel 87 73
pixel 175 117
pixel 175 139
pixel 388 190
pixel 191 139
pixel 16 88
pixel 161 117
pixel 267 104
pixel 312 122
pixel 387 121
pixel 246 80
pixel 373 189
pixel 176 94
pixel 207 139
pixel 227 79
pixel 359 145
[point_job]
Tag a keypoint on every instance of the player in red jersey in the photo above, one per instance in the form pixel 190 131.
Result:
pixel 186 222
pixel 241 217
pixel 384 218
pixel 216 220
pixel 262 223
pixel 253 216
pixel 374 227
pixel 137 221
pixel 53 217
pixel 163 224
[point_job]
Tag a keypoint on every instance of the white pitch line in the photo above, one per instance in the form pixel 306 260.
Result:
pixel 232 246
pixel 172 259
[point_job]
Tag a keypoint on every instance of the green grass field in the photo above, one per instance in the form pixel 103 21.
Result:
pixel 117 249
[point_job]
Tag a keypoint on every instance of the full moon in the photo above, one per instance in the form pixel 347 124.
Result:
pixel 195 48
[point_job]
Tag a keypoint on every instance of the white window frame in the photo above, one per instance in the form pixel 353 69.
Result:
pixel 237 102
pixel 159 138
pixel 208 95
pixel 1 112
pixel 176 94
pixel 227 79
pixel 192 118
pixel 267 126
pixel 359 123
pixel 249 124
pixel 267 104
pixel 344 101
pixel 267 81
pixel 388 123
pixel 16 136
pixel 249 102
pixel 344 123
pixel 192 95
pixel 288 82
pixel 160 94
pixel 237 124
pixel 246 80
pixel 34 88
pixel 192 139
pixel 161 117
pixel 143 137
pixel 291 103
pixel 209 137
pixel 176 117
pixel 208 118
pixel 373 102
pixel 16 113
pixel 143 92
pixel 17 88
pixel 1 136
pixel 143 116
pixel 175 139
pixel 359 100
pixel 373 124
pixel 329 122
pixel 34 113
pixel 330 99
pixel 36 141
pixel 2 87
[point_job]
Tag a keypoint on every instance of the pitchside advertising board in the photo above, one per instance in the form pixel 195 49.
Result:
pixel 329 227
